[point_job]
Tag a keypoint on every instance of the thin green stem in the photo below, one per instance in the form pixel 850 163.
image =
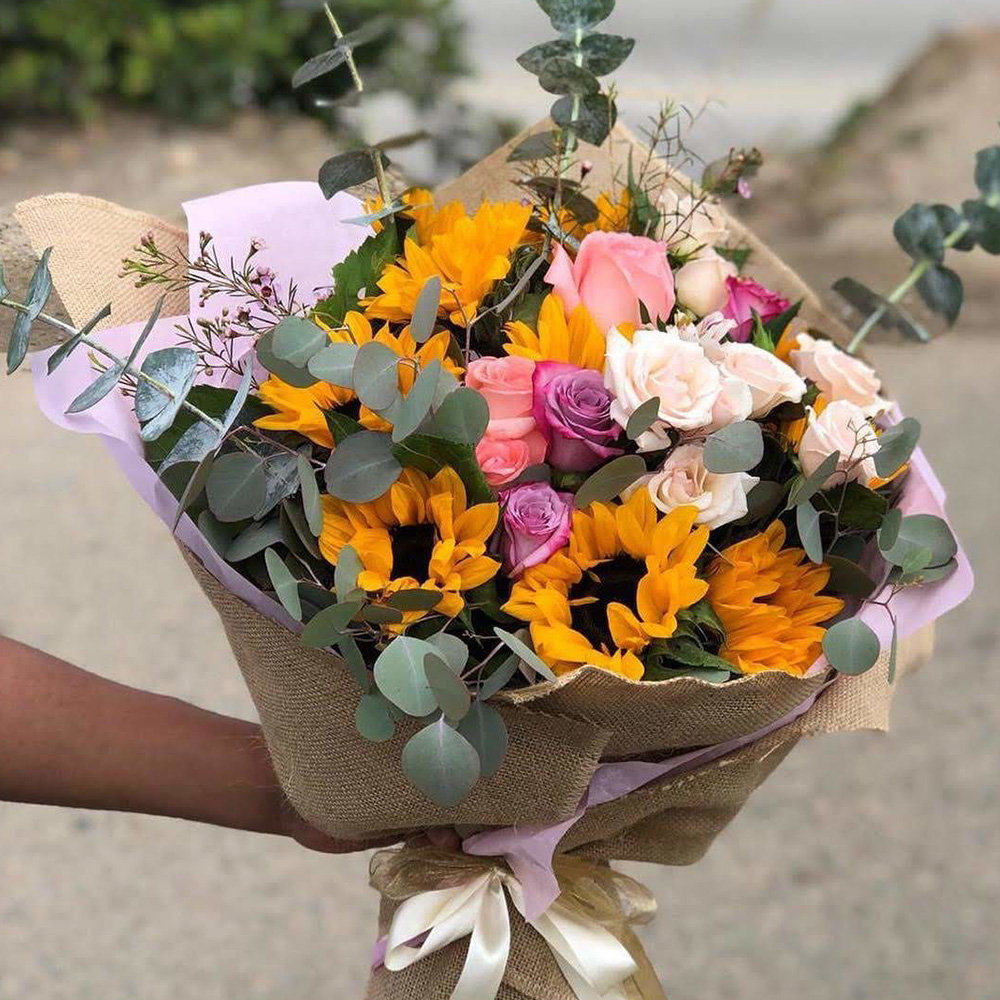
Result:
pixel 348 51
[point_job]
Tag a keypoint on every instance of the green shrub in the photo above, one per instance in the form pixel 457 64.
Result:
pixel 200 59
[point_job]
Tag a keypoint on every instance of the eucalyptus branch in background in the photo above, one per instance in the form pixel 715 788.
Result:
pixel 927 233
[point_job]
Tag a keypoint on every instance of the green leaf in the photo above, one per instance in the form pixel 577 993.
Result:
pixel 425 310
pixel 285 585
pixel 932 574
pixel 362 467
pixel 297 376
pixel 380 614
pixel 354 661
pixel 4 287
pixel 888 533
pixel 498 679
pixel 220 536
pixel 525 652
pixel 919 532
pixel 692 655
pixel 463 416
pixel 807 520
pixel 738 447
pixel 595 119
pixel 860 507
pixel 236 487
pixel 39 290
pixel 328 61
pixel 347 170
pixel 311 502
pixel 894 316
pixel 560 75
pixel 175 368
pixel 984 221
pixel 376 380
pixel 848 579
pixel 763 501
pixel 430 454
pixel 807 488
pixel 642 418
pixel 327 627
pixel 373 717
pixel 602 54
pixel 951 221
pixel 281 480
pixel 538 146
pixel 296 532
pixel 570 16
pixel 451 649
pixel 400 675
pixel 240 401
pixel 335 364
pixel 485 729
pixel 656 672
pixel 195 485
pixel 252 540
pixel 449 689
pixel 918 231
pixel 760 337
pixel 851 647
pixel 295 340
pixel 58 356
pixel 346 572
pixel 416 599
pixel 777 325
pixel 915 561
pixel 610 480
pixel 416 404
pixel 896 446
pixel 943 292
pixel 358 271
pixel 341 426
pixel 988 171
pixel 442 763
pixel 894 651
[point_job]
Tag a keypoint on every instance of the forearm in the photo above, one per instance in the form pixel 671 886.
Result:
pixel 70 738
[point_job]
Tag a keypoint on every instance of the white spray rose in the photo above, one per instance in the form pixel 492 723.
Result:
pixel 771 381
pixel 701 283
pixel 838 375
pixel 842 427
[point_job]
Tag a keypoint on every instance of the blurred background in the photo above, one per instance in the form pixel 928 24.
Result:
pixel 866 867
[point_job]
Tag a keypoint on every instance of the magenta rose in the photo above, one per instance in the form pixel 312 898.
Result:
pixel 536 523
pixel 572 409
pixel 747 297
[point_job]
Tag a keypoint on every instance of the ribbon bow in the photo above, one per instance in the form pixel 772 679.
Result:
pixel 446 896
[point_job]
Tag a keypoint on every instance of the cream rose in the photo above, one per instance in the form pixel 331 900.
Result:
pixel 735 403
pixel 838 375
pixel 691 224
pixel 660 365
pixel 771 381
pixel 701 283
pixel 685 482
pixel 843 427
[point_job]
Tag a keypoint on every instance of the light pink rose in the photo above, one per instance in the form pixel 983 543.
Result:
pixel 504 459
pixel 747 297
pixel 702 283
pixel 771 381
pixel 506 385
pixel 837 374
pixel 841 427
pixel 612 274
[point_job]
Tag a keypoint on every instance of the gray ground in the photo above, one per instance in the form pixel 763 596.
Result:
pixel 865 868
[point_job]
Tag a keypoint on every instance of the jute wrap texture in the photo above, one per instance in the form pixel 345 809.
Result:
pixel 559 732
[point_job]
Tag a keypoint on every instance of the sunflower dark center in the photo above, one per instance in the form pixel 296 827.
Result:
pixel 412 545
pixel 614 580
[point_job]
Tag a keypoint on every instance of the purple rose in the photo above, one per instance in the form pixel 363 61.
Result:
pixel 536 523
pixel 572 409
pixel 747 297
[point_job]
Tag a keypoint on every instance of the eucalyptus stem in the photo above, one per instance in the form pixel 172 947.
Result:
pixel 383 187
pixel 569 143
pixel 348 51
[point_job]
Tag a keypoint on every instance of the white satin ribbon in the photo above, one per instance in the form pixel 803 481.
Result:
pixel 594 962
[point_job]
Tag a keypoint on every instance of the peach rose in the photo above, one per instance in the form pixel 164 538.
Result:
pixel 504 459
pixel 837 374
pixel 659 364
pixel 702 283
pixel 612 274
pixel 771 381
pixel 507 386
pixel 842 427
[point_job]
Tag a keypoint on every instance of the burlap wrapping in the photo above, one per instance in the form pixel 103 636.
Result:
pixel 559 732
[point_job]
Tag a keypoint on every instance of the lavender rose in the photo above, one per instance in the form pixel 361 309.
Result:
pixel 536 523
pixel 572 409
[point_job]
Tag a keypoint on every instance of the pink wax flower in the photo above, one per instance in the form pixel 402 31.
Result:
pixel 612 274
pixel 573 411
pixel 746 297
pixel 536 523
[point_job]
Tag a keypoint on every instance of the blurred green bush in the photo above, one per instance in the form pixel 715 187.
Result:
pixel 200 59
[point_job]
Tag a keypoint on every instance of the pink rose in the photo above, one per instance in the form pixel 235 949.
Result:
pixel 747 297
pixel 837 374
pixel 573 411
pixel 536 523
pixel 845 428
pixel 612 274
pixel 506 385
pixel 771 381
pixel 504 459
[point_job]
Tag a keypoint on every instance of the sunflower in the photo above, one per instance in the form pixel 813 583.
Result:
pixel 577 340
pixel 624 550
pixel 768 598
pixel 469 254
pixel 302 410
pixel 421 534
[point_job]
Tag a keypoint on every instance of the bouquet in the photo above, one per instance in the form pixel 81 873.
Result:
pixel 544 513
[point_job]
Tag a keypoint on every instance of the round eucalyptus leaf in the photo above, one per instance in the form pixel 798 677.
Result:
pixel 285 585
pixel 416 599
pixel 888 532
pixel 485 729
pixel 920 532
pixel 400 675
pixel 311 502
pixel 610 480
pixel 376 381
pixel 449 689
pixel 642 418
pixel 988 171
pixel 335 364
pixel 296 340
pixel 851 647
pixel 942 290
pixel 236 486
pixel 561 75
pixel 425 310
pixel 517 645
pixel 807 488
pixel 173 367
pixel 442 763
pixel 362 467
pixel 251 541
pixel 416 404
pixel 327 626
pixel 848 579
pixel 462 416
pixel 918 231
pixel 571 16
pixel 346 572
pixel 498 679
pixel 295 376
pixel 451 649
pixel 807 520
pixel 595 116
pixel 738 447
pixel 373 718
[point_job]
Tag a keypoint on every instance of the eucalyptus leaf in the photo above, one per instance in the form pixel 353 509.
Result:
pixel 295 519
pixel 737 447
pixel 942 290
pixel 175 368
pixel 807 488
pixel 295 340
pixel 449 689
pixel 400 675
pixel 888 532
pixel 416 404
pixel 296 376
pixel 195 485
pixel 498 680
pixel 896 446
pixel 376 381
pixel 380 614
pixel 951 221
pixel 595 116
pixel 362 467
pixel 285 585
pixel 327 627
pixel 485 729
pixel 442 763
pixel 311 502
pixel 451 649
pixel 235 410
pixel 919 532
pixel 538 146
pixel 355 662
pixel 525 653
pixel 281 480
pixel 561 75
pixel 463 417
pixel 253 540
pixel 416 599
pixel 373 718
pixel 894 651
pixel 851 647
pixel 219 535
pixel 335 364
pixel 328 61
pixel 347 170
pixel 236 487
pixel 984 222
pixel 988 171
pixel 425 310
pixel 610 480
pixel 346 572
pixel 848 579
pixel 571 16
pixel 918 231
pixel 807 520
pixel 98 389
pixel 642 418
pixel 893 316
pixel 39 290
pixel 61 353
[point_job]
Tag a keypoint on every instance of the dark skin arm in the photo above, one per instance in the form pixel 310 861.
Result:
pixel 70 738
